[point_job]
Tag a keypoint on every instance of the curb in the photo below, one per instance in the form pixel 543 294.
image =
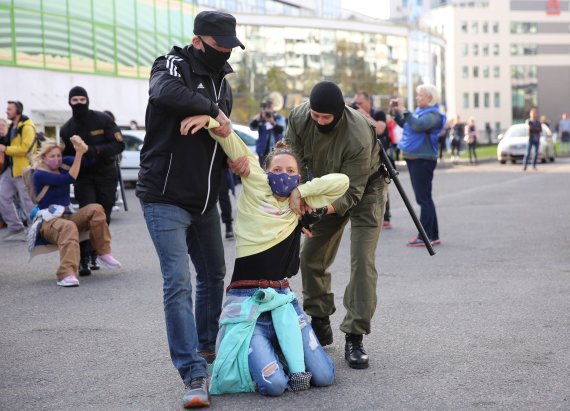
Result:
pixel 401 165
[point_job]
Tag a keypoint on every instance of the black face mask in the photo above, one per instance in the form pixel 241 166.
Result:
pixel 79 111
pixel 214 59
pixel 327 128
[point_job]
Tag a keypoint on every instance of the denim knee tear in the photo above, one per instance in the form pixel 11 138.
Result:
pixel 269 370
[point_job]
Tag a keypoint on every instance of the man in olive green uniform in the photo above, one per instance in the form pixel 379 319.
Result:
pixel 333 138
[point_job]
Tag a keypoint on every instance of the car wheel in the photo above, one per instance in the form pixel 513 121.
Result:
pixel 542 160
pixel 503 161
pixel 513 161
pixel 552 159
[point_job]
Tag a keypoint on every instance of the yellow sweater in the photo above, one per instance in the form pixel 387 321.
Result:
pixel 263 221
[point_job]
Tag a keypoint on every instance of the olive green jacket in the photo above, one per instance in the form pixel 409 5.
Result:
pixel 350 148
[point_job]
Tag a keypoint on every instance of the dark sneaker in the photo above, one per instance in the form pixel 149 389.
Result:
pixel 84 267
pixel 209 356
pixel 354 352
pixel 197 394
pixel 229 234
pixel 322 328
pixel 416 242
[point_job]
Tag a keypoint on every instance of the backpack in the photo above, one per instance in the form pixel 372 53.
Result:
pixel 27 179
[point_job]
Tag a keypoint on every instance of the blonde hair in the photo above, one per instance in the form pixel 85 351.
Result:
pixel 47 145
pixel 3 121
pixel 431 91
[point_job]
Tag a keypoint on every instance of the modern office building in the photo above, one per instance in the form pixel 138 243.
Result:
pixel 108 47
pixel 503 57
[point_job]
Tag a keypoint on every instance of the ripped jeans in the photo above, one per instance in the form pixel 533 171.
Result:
pixel 265 365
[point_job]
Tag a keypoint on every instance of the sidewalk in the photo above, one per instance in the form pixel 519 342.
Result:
pixel 448 163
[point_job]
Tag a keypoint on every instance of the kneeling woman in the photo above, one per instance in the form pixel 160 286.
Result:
pixel 55 223
pixel 265 337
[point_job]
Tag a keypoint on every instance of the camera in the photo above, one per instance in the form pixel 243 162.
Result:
pixel 268 114
pixel 394 103
pixel 263 105
pixel 354 105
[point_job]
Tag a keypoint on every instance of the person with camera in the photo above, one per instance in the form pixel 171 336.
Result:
pixel 270 125
pixel 420 147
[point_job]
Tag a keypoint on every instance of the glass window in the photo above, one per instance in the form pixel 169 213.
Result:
pixel 486 71
pixel 495 49
pixel 485 27
pixel 474 27
pixel 496 71
pixel 175 19
pixel 55 6
pixel 487 100
pixel 497 99
pixel 475 100
pixel 56 42
pixel 104 49
pixel 475 71
pixel 81 45
pixel 485 49
pixel 103 11
pixel 80 9
pixel 5 36
pixel 465 100
pixel 147 52
pixel 29 51
pixel 465 71
pixel 464 27
pixel 161 11
pixel 496 27
pixel 126 52
pixel 475 49
pixel 125 13
pixel 498 127
pixel 464 49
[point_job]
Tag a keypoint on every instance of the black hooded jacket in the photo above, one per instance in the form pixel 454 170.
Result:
pixel 176 169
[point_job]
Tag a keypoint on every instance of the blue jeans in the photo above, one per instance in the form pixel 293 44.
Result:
pixel 264 364
pixel 531 143
pixel 421 174
pixel 176 234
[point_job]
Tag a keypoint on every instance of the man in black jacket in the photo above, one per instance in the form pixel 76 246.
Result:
pixel 98 176
pixel 178 187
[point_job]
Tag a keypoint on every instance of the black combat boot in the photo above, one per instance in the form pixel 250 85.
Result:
pixel 93 264
pixel 322 328
pixel 84 267
pixel 354 352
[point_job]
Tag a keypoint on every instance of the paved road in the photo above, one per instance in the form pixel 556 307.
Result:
pixel 484 324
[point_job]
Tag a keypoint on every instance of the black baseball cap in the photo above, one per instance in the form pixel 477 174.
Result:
pixel 221 26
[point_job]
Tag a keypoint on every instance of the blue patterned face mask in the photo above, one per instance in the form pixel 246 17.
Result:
pixel 282 184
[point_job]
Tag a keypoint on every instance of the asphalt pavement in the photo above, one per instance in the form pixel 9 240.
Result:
pixel 483 324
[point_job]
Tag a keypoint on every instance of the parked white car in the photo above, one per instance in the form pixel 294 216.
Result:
pixel 131 156
pixel 513 144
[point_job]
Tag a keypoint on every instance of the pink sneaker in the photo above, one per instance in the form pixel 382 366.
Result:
pixel 108 261
pixel 69 281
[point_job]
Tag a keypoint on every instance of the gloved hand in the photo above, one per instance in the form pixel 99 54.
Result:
pixel 308 219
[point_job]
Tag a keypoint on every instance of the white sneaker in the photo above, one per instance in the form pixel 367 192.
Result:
pixel 69 281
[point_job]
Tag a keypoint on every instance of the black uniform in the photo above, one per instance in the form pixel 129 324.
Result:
pixel 98 176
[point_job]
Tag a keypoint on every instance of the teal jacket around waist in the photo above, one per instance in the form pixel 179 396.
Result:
pixel 421 130
pixel 230 372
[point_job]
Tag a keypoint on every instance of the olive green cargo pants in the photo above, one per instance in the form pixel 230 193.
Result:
pixel 318 254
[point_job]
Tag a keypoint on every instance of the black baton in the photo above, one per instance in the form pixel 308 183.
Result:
pixel 393 174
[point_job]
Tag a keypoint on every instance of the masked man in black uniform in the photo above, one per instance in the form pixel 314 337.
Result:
pixel 97 180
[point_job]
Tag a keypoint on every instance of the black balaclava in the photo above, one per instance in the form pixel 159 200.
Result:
pixel 79 110
pixel 326 97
